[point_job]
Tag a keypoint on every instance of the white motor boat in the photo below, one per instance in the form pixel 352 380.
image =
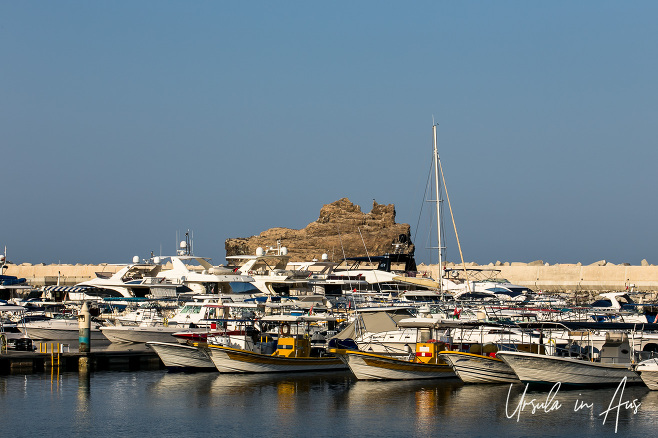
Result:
pixel 614 365
pixel 141 334
pixel 195 317
pixel 10 334
pixel 60 329
pixel 648 371
pixel 177 356
pixel 479 368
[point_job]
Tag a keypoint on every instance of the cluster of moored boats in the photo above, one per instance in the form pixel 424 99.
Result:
pixel 377 317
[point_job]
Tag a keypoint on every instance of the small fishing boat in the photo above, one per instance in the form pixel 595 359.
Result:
pixel 648 371
pixel 425 364
pixel 182 357
pixel 190 353
pixel 141 334
pixel 292 354
pixel 479 368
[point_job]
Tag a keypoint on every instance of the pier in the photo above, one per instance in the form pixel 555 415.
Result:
pixel 50 356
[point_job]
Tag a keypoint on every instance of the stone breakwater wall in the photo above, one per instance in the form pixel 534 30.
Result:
pixel 569 277
pixel 68 275
pixel 600 276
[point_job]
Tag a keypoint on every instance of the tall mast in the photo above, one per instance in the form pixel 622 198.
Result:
pixel 438 206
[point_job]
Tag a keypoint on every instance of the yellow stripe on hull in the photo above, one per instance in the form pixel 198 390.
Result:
pixel 231 360
pixel 368 366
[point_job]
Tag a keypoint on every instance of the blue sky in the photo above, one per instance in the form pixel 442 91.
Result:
pixel 125 122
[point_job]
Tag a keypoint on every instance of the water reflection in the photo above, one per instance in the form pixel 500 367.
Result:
pixel 84 390
pixel 170 404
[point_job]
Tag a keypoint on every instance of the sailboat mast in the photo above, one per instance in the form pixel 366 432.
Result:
pixel 438 206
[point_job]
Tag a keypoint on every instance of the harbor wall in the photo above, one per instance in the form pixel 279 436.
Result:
pixel 539 277
pixel 49 275
pixel 570 277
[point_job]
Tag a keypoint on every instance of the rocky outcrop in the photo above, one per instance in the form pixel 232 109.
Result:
pixel 338 232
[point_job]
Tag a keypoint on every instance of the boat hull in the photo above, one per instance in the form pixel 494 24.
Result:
pixel 177 356
pixel 139 335
pixel 650 378
pixel 233 360
pixel 369 366
pixel 59 331
pixel 475 368
pixel 648 371
pixel 542 369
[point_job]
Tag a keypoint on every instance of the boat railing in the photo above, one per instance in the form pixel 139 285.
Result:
pixel 408 352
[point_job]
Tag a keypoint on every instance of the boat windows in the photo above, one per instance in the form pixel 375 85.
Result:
pixel 602 303
pixel 190 309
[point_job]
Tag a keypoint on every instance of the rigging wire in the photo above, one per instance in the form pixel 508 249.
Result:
pixel 452 216
pixel 420 214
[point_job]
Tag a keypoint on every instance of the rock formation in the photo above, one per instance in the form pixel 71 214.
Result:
pixel 336 232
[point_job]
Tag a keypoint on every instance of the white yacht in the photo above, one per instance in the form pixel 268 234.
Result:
pixel 193 317
pixel 388 274
pixel 483 284
pixel 269 271
pixel 138 279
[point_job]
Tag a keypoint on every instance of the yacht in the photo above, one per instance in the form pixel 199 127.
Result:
pixel 191 321
pixel 138 279
pixel 269 271
pixel 388 274
pixel 483 284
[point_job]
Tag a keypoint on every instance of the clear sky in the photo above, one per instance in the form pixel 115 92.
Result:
pixel 124 122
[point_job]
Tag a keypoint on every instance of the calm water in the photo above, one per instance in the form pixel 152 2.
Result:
pixel 157 403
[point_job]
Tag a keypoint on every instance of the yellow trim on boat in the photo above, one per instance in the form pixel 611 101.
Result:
pixel 463 353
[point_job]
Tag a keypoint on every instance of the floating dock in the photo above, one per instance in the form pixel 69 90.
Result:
pixel 50 356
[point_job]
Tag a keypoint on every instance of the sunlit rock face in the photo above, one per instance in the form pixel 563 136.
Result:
pixel 342 230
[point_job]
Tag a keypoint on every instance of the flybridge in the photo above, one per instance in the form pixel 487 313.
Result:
pixel 386 263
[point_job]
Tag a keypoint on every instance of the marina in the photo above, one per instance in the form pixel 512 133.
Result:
pixel 313 219
pixel 336 404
